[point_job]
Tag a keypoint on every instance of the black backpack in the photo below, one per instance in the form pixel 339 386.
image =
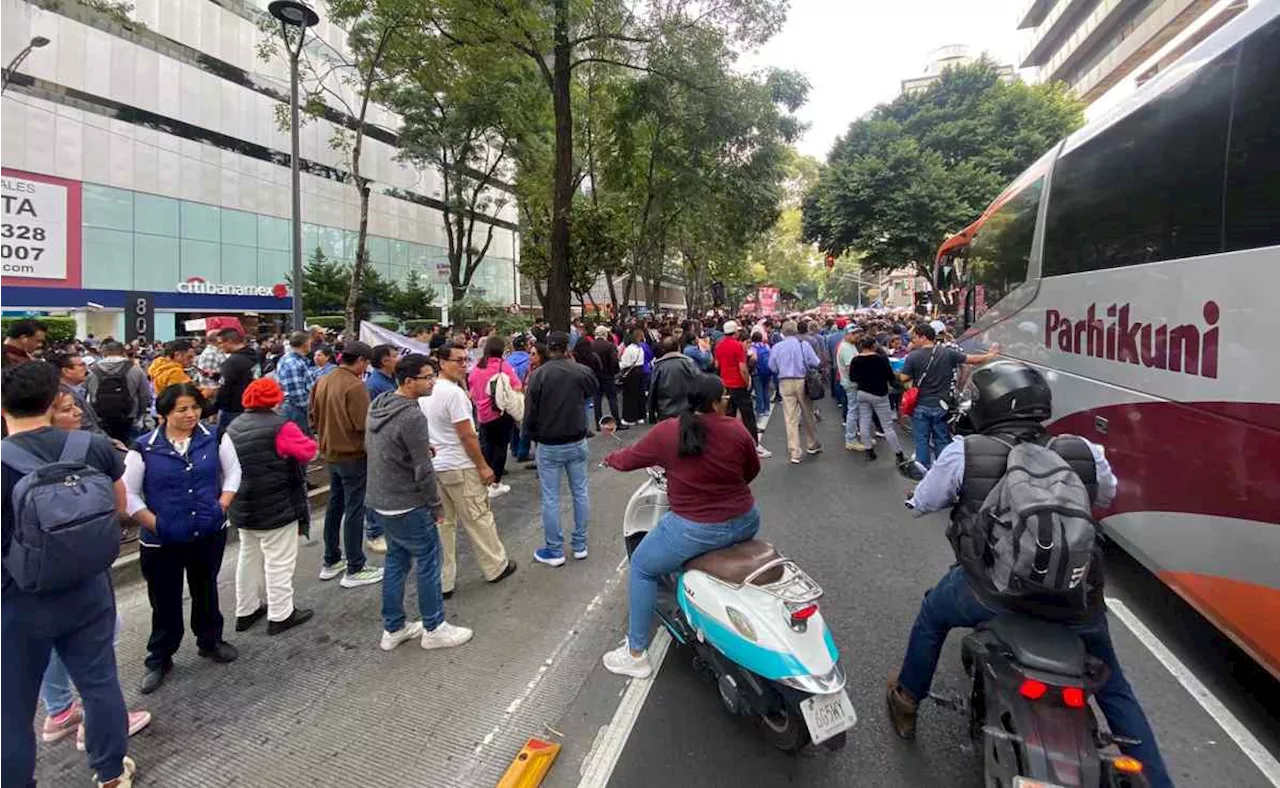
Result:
pixel 112 399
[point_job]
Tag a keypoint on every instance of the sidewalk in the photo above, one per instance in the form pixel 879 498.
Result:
pixel 322 704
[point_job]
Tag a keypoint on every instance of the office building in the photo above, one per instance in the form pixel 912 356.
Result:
pixel 1094 45
pixel 146 154
pixel 941 59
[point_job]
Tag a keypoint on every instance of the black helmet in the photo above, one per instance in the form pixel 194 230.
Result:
pixel 1005 391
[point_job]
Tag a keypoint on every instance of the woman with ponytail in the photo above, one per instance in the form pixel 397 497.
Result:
pixel 710 460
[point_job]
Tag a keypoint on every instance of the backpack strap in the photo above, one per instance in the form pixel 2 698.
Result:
pixel 76 448
pixel 19 458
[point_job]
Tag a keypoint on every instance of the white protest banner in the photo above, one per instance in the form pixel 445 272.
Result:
pixel 372 335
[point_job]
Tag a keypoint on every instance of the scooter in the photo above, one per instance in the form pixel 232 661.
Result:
pixel 1029 708
pixel 750 617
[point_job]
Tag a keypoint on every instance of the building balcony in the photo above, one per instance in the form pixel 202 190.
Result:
pixel 1033 13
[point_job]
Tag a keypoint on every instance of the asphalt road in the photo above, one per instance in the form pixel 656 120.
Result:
pixel 844 522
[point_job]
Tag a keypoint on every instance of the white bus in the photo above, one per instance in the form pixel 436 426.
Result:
pixel 1137 264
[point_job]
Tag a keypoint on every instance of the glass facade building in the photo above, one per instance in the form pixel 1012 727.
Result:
pixel 149 156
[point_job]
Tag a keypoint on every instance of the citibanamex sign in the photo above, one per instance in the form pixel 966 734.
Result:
pixel 199 286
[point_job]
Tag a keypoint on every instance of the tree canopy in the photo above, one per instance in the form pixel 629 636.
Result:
pixel 923 166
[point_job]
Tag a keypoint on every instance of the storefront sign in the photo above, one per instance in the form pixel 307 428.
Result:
pixel 33 238
pixel 140 316
pixel 198 285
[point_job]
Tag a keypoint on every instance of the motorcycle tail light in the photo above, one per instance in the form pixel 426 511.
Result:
pixel 1073 697
pixel 1032 689
pixel 1127 765
pixel 803 613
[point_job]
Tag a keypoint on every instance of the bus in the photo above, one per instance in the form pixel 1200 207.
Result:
pixel 1137 265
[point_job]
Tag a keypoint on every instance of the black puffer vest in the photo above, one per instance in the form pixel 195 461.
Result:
pixel 985 458
pixel 272 490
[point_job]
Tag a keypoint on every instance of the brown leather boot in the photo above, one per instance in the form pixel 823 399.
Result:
pixel 902 710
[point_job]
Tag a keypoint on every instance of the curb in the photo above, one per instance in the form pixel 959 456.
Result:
pixel 127 569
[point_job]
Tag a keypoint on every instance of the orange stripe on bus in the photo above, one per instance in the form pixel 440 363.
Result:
pixel 1248 612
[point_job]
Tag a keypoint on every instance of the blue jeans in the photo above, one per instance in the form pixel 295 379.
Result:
pixel 411 537
pixel 841 396
pixel 572 459
pixel 345 514
pixel 929 424
pixel 55 690
pixel 297 414
pixel 951 603
pixel 79 623
pixel 519 444
pixel 664 550
pixel 760 385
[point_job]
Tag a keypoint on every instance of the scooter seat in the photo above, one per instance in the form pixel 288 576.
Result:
pixel 1040 645
pixel 734 564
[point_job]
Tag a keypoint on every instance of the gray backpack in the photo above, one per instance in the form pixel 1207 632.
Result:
pixel 1040 531
pixel 65 526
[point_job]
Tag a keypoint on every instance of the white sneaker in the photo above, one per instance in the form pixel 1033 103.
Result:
pixel 581 555
pixel 762 452
pixel 445 636
pixel 392 639
pixel 330 571
pixel 377 544
pixel 365 577
pixel 621 662
pixel 498 488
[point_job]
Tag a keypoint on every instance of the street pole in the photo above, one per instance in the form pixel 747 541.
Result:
pixel 294 13
pixel 9 70
pixel 295 184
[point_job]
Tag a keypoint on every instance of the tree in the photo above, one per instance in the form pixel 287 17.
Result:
pixel 324 284
pixel 411 301
pixel 921 167
pixel 559 36
pixel 347 81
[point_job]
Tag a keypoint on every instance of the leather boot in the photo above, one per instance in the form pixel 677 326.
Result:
pixel 902 710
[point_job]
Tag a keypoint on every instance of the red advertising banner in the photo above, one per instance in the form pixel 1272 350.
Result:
pixel 41 243
pixel 768 297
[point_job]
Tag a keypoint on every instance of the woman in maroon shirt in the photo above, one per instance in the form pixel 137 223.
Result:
pixel 710 459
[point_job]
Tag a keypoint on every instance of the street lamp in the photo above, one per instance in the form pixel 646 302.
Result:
pixel 36 43
pixel 297 14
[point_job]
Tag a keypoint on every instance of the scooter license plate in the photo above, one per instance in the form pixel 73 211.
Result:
pixel 1024 782
pixel 827 715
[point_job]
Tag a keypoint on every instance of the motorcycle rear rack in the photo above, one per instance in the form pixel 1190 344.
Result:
pixel 794 587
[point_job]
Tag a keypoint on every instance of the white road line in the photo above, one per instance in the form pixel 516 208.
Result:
pixel 1248 743
pixel 598 767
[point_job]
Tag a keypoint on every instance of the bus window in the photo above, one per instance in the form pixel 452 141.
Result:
pixel 1253 163
pixel 997 259
pixel 1148 188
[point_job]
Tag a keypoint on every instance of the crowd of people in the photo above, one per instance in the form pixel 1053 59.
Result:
pixel 196 434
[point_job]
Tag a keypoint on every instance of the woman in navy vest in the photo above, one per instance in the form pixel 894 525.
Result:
pixel 180 482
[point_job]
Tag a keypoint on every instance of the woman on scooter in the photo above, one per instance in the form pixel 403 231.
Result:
pixel 710 459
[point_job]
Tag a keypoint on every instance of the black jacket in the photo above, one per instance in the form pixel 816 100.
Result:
pixel 238 371
pixel 273 489
pixel 669 388
pixel 555 398
pixel 607 352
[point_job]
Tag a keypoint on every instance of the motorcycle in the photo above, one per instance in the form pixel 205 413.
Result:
pixel 1029 708
pixel 750 617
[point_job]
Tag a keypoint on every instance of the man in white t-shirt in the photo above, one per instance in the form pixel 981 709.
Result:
pixel 462 473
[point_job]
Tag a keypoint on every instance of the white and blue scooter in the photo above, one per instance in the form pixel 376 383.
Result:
pixel 751 618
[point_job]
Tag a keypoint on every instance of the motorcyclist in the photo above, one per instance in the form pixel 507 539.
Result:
pixel 710 459
pixel 1010 401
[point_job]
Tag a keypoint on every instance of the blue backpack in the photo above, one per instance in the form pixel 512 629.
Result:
pixel 65 526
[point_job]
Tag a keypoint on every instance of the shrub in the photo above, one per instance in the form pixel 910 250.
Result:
pixel 335 322
pixel 61 329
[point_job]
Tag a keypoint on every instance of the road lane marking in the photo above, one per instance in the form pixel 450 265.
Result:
pixel 612 739
pixel 1244 739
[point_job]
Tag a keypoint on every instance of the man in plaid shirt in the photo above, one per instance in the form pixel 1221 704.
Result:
pixel 293 375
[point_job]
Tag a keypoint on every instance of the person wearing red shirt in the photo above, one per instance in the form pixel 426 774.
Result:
pixel 731 359
pixel 710 460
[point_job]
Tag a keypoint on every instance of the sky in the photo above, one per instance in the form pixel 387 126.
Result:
pixel 856 52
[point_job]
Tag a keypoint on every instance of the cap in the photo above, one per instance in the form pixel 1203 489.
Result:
pixel 853 328
pixel 938 326
pixel 602 331
pixel 731 326
pixel 558 340
pixel 357 349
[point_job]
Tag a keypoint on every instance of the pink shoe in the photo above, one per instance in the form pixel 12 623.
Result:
pixel 59 726
pixel 137 721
